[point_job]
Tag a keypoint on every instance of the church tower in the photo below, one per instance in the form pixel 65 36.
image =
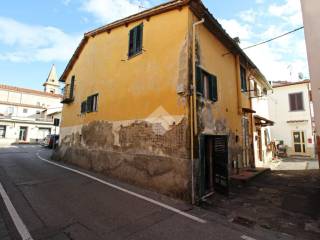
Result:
pixel 52 84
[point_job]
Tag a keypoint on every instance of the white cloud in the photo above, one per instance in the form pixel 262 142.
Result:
pixel 66 2
pixel 275 67
pixel 106 11
pixel 259 1
pixel 236 29
pixel 290 12
pixel 249 15
pixel 281 59
pixel 27 43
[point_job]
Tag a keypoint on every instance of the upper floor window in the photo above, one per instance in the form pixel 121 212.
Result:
pixel 25 110
pixel 3 131
pixel 135 40
pixel 207 85
pixel 243 77
pixel 296 101
pixel 92 103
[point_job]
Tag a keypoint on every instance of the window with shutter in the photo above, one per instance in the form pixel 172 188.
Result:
pixel 296 102
pixel 92 103
pixel 206 85
pixel 135 40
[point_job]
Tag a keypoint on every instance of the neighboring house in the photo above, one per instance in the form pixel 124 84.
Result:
pixel 130 110
pixel 26 114
pixel 262 140
pixel 310 12
pixel 290 108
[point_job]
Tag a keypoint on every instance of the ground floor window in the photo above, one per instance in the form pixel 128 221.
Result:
pixel 3 131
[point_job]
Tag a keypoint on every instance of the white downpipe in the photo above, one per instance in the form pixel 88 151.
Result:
pixel 194 124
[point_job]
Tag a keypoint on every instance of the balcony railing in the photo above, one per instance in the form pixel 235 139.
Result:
pixel 67 92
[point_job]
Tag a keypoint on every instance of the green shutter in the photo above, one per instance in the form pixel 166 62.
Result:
pixel 210 87
pixel 84 107
pixel 89 104
pixel 243 79
pixel 139 38
pixel 72 87
pixel 214 88
pixel 135 31
pixel 131 49
pixel 199 80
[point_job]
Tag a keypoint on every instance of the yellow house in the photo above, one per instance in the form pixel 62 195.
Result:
pixel 160 99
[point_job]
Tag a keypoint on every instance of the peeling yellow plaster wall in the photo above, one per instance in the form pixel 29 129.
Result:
pixel 133 89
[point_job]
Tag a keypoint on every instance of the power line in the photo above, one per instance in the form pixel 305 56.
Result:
pixel 272 39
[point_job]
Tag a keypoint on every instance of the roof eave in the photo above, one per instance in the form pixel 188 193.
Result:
pixel 216 28
pixel 136 17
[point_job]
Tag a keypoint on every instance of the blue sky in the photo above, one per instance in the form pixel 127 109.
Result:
pixel 34 34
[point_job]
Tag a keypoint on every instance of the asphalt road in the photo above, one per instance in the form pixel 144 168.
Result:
pixel 58 204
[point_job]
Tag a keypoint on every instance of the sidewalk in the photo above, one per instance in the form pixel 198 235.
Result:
pixel 292 163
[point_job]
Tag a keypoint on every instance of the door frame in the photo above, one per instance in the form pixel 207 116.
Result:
pixel 25 136
pixel 201 172
pixel 303 142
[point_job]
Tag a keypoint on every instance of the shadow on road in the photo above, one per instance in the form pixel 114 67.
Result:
pixel 283 201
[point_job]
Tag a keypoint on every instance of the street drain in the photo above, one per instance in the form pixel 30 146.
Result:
pixel 244 222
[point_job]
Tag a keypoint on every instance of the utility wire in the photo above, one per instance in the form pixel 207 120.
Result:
pixel 272 39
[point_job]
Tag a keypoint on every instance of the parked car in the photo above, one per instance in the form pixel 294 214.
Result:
pixel 51 141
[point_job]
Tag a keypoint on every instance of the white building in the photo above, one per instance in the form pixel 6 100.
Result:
pixel 262 122
pixel 311 12
pixel 290 109
pixel 28 115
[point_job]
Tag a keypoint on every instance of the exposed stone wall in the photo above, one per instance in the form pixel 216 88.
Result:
pixel 144 153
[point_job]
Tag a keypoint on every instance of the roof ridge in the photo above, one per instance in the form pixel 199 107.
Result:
pixel 28 90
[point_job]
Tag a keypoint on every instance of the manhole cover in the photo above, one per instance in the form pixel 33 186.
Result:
pixel 244 222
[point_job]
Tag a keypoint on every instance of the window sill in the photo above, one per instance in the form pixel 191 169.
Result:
pixel 135 55
pixel 292 111
pixel 203 99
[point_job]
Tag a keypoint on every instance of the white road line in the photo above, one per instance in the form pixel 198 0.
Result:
pixel 22 229
pixel 172 209
pixel 244 237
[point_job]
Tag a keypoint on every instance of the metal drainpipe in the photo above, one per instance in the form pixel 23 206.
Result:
pixel 193 105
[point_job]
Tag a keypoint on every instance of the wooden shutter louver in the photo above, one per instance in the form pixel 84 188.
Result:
pixel 199 81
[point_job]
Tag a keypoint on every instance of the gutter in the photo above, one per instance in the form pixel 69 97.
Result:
pixel 193 105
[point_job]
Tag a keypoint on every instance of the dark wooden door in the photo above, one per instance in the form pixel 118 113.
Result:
pixel 221 166
pixel 213 169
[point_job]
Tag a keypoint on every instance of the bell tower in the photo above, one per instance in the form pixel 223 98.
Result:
pixel 52 84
